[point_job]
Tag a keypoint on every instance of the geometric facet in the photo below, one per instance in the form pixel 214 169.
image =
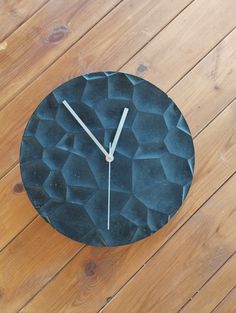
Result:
pixel 49 133
pixel 55 186
pixel 149 99
pixel 77 173
pixel 179 143
pixel 172 115
pixel 145 128
pixel 176 169
pixel 147 173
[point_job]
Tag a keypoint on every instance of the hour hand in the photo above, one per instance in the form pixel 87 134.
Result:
pixel 90 134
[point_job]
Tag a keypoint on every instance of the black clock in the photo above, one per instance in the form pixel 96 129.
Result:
pixel 107 158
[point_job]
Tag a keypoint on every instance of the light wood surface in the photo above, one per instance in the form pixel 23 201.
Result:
pixel 215 289
pixel 14 13
pixel 187 48
pixel 228 304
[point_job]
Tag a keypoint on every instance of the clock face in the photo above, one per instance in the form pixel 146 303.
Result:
pixel 66 174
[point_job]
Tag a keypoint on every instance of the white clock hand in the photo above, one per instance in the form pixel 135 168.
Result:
pixel 109 190
pixel 78 119
pixel 118 132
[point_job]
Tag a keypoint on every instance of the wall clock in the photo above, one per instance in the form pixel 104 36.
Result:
pixel 107 158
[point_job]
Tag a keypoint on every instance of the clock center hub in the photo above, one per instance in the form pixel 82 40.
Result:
pixel 109 158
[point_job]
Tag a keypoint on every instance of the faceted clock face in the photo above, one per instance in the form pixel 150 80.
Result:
pixel 107 158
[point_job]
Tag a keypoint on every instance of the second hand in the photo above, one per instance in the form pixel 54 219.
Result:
pixel 109 191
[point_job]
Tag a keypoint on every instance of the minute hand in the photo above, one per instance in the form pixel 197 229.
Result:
pixel 118 132
pixel 78 119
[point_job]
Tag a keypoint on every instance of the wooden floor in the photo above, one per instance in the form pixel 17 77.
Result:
pixel 188 49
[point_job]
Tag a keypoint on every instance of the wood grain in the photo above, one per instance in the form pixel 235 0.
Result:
pixel 186 262
pixel 121 263
pixel 14 13
pixel 228 305
pixel 16 208
pixel 30 261
pixel 204 94
pixel 184 42
pixel 207 298
pixel 44 38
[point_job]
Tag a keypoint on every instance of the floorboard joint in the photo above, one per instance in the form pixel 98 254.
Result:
pixel 51 279
pixel 210 278
pixel 24 21
pixel 154 36
pixel 199 61
pixel 223 299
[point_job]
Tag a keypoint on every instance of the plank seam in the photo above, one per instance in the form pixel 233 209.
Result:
pixel 20 232
pixel 206 282
pixel 155 35
pixel 59 56
pixel 223 299
pixel 201 130
pixel 213 48
pixel 10 168
pixel 158 251
pixel 25 21
pixel 44 286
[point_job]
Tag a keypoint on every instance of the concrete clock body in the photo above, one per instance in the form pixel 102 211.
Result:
pixel 66 175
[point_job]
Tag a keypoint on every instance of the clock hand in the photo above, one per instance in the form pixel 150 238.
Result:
pixel 118 132
pixel 78 119
pixel 109 190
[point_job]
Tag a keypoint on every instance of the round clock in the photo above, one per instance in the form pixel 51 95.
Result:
pixel 107 158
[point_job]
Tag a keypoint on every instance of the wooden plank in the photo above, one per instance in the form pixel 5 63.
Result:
pixel 215 290
pixel 44 38
pixel 111 268
pixel 15 207
pixel 14 13
pixel 30 261
pixel 64 23
pixel 80 54
pixel 192 86
pixel 195 101
pixel 186 262
pixel 228 305
pixel 184 42
pixel 217 76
